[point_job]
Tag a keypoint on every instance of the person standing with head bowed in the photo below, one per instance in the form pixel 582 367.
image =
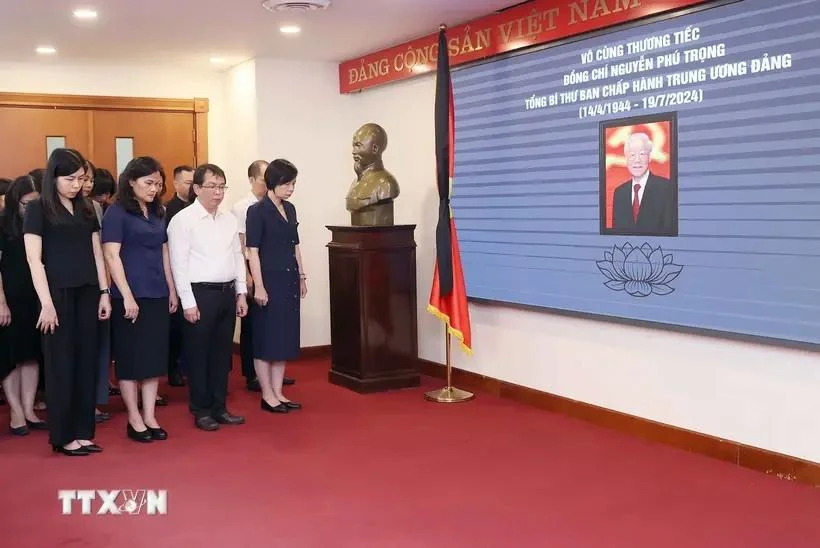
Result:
pixel 20 349
pixel 62 239
pixel 209 273
pixel 136 250
pixel 272 240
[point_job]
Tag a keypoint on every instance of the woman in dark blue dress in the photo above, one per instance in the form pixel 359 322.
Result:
pixel 272 240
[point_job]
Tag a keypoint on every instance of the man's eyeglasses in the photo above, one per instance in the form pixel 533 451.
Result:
pixel 219 188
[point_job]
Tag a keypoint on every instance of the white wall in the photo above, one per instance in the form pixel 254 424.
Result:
pixel 124 80
pixel 240 122
pixel 303 118
pixel 761 396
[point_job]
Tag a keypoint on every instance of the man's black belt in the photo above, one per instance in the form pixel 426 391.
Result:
pixel 218 286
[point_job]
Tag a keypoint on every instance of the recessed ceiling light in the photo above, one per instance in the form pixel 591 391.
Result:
pixel 217 60
pixel 85 14
pixel 290 29
pixel 46 50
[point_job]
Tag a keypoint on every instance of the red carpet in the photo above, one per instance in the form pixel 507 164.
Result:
pixel 392 470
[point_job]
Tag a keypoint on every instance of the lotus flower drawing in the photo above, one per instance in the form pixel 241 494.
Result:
pixel 639 271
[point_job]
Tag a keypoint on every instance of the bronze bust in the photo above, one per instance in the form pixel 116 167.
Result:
pixel 370 198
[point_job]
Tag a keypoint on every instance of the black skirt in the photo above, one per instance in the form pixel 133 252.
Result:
pixel 140 348
pixel 275 326
pixel 20 341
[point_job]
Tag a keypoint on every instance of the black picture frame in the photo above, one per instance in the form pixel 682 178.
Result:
pixel 672 118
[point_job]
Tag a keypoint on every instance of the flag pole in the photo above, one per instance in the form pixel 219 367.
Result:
pixel 444 171
pixel 448 394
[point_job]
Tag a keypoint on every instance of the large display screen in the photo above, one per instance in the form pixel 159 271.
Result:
pixel 668 173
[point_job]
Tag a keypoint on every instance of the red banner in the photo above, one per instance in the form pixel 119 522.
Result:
pixel 528 24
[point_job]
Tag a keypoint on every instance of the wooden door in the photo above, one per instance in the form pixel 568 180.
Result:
pixel 174 131
pixel 25 132
pixel 119 136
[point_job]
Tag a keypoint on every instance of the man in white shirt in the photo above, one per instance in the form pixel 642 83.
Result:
pixel 210 277
pixel 256 179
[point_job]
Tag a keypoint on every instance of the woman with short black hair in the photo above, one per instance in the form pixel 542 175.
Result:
pixel 62 240
pixel 272 240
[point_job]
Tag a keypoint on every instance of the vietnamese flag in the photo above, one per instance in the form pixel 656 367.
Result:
pixel 448 296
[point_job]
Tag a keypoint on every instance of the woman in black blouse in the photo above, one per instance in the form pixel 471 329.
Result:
pixel 19 339
pixel 65 257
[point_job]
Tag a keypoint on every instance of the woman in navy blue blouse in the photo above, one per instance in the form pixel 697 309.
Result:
pixel 136 249
pixel 272 240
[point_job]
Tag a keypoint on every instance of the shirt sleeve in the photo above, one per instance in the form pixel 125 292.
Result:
pixel 253 236
pixel 33 219
pixel 240 211
pixel 94 223
pixel 179 247
pixel 295 225
pixel 113 226
pixel 241 279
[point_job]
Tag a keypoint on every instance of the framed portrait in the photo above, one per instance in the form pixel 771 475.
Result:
pixel 638 175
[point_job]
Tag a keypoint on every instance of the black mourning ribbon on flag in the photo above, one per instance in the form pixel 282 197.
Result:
pixel 444 256
pixel 443 252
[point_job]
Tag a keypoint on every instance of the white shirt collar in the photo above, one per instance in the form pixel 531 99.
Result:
pixel 201 212
pixel 641 180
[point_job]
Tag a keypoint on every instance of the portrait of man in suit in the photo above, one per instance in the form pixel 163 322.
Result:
pixel 646 203
pixel 639 190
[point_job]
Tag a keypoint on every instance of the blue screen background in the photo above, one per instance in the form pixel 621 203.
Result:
pixel 526 182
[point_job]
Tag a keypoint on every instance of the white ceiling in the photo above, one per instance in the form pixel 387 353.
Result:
pixel 189 33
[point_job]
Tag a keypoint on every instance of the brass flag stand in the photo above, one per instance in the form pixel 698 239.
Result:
pixel 448 394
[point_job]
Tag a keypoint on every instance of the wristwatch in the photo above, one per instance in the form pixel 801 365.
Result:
pixel 105 291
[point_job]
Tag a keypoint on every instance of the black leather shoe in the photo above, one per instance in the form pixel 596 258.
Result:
pixel 142 437
pixel 176 379
pixel 253 385
pixel 287 381
pixel 206 423
pixel 37 425
pixel 157 434
pixel 226 418
pixel 292 405
pixel 80 452
pixel 19 430
pixel 273 408
pixel 93 448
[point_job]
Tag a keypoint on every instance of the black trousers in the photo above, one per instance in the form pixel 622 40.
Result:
pixel 70 359
pixel 207 347
pixel 246 347
pixel 175 342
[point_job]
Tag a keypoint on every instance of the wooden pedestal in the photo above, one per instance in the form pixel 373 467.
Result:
pixel 373 318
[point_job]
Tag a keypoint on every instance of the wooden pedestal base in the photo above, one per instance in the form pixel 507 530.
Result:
pixel 373 317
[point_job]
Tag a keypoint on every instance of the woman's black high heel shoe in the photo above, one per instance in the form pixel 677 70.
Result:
pixel 142 437
pixel 19 430
pixel 79 452
pixel 281 408
pixel 157 434
pixel 92 448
